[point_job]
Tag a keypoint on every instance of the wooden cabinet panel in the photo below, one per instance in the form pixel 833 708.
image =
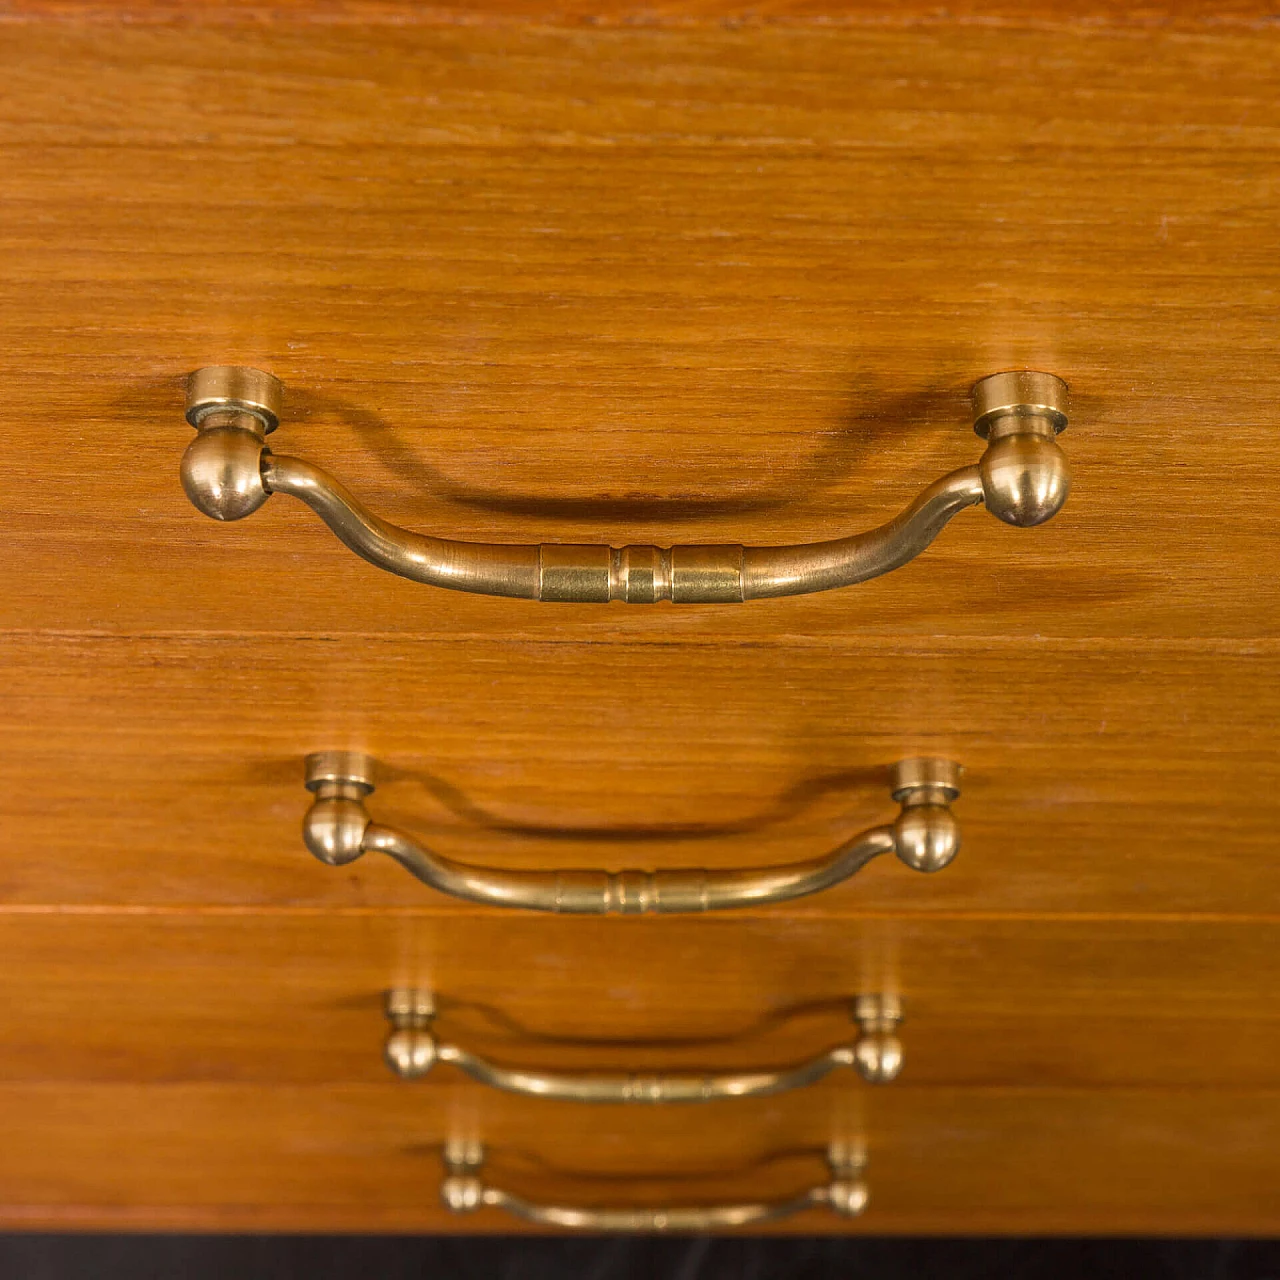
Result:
pixel 633 285
pixel 1065 14
pixel 169 771
pixel 297 997
pixel 367 1157
pixel 670 281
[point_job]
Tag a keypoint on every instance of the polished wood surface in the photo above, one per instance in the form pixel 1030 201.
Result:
pixel 642 285
pixel 169 771
pixel 344 1157
pixel 296 997
pixel 656 277
pixel 1071 14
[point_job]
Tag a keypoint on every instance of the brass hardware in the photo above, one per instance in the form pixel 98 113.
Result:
pixel 338 829
pixel 1023 478
pixel 463 1191
pixel 412 1049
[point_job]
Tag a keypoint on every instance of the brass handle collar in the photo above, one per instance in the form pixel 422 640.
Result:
pixel 1023 478
pixel 412 1049
pixel 464 1191
pixel 338 830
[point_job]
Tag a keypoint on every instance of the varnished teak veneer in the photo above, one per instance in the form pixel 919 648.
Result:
pixel 682 281
pixel 347 1157
pixel 169 771
pixel 642 285
pixel 277 998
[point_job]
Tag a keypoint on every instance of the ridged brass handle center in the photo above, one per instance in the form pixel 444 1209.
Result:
pixel 464 1191
pixel 338 830
pixel 1023 478
pixel 413 1048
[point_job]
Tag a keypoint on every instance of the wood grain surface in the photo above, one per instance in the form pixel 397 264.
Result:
pixel 1069 14
pixel 344 1157
pixel 169 771
pixel 537 271
pixel 296 997
pixel 641 285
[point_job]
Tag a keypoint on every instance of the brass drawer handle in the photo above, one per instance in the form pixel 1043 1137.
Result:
pixel 1023 477
pixel 338 830
pixel 412 1049
pixel 463 1191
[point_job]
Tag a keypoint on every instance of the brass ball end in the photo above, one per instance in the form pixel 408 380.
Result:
pixel 926 837
pixel 410 1052
pixel 878 1057
pixel 222 472
pixel 334 828
pixel 1025 478
pixel 848 1197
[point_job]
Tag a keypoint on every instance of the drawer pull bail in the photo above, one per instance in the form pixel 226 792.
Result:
pixel 412 1049
pixel 464 1191
pixel 338 830
pixel 1023 478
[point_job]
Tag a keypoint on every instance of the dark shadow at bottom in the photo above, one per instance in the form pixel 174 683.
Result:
pixel 170 1257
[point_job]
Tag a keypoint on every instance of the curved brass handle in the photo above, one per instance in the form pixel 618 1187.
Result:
pixel 412 1049
pixel 463 1191
pixel 338 830
pixel 228 472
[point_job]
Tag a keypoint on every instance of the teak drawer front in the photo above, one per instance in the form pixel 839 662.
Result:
pixel 368 1158
pixel 296 997
pixel 692 283
pixel 641 285
pixel 169 771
